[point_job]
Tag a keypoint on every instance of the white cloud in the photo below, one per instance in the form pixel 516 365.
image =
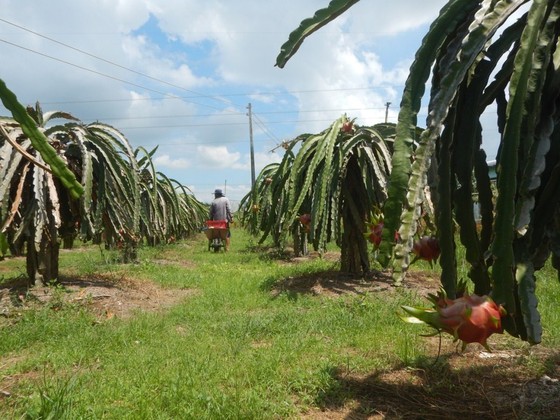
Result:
pixel 217 157
pixel 223 50
pixel 263 159
pixel 166 161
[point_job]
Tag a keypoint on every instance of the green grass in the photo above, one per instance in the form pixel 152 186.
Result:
pixel 231 350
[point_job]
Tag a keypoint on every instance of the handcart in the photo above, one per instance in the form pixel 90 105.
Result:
pixel 216 232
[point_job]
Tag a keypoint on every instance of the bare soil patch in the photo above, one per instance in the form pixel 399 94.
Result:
pixel 107 296
pixel 334 282
pixel 473 384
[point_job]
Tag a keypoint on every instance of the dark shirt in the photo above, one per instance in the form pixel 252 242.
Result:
pixel 221 209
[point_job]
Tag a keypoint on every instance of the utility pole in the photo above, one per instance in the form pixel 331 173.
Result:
pixel 387 111
pixel 251 142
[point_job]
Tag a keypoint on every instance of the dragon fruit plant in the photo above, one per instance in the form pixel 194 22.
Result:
pixel 469 318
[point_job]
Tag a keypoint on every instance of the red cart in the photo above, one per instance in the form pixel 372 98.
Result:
pixel 216 232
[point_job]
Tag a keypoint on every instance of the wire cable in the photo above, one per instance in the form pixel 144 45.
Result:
pixel 104 74
pixel 216 98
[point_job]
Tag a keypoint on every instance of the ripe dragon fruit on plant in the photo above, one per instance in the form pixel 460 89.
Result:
pixel 374 228
pixel 374 234
pixel 470 318
pixel 305 220
pixel 426 248
pixel 348 126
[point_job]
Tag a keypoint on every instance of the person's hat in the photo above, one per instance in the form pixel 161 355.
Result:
pixel 218 192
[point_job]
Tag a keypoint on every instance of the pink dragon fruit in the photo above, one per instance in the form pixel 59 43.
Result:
pixel 470 318
pixel 427 248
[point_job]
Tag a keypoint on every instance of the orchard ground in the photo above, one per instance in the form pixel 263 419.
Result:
pixel 450 383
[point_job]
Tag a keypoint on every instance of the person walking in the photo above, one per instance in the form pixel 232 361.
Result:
pixel 220 209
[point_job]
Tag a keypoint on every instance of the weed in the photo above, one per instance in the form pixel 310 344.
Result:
pixel 55 399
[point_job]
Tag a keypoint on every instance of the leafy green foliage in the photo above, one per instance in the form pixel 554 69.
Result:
pixel 460 94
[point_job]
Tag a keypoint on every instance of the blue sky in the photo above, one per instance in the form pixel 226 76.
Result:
pixel 179 74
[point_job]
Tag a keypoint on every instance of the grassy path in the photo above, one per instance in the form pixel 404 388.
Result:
pixel 232 349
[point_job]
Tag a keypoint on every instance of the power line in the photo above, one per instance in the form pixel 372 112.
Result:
pixel 265 129
pixel 104 74
pixel 199 143
pixel 87 101
pixel 155 117
pixel 152 117
pixel 344 89
pixel 301 111
pixel 165 95
pixel 219 124
pixel 179 126
pixel 261 124
pixel 114 64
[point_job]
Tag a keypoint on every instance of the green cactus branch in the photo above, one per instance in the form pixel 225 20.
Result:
pixel 40 142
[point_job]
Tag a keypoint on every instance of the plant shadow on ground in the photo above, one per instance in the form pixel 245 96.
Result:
pixel 471 385
pixel 269 253
pixel 336 283
pixel 326 282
